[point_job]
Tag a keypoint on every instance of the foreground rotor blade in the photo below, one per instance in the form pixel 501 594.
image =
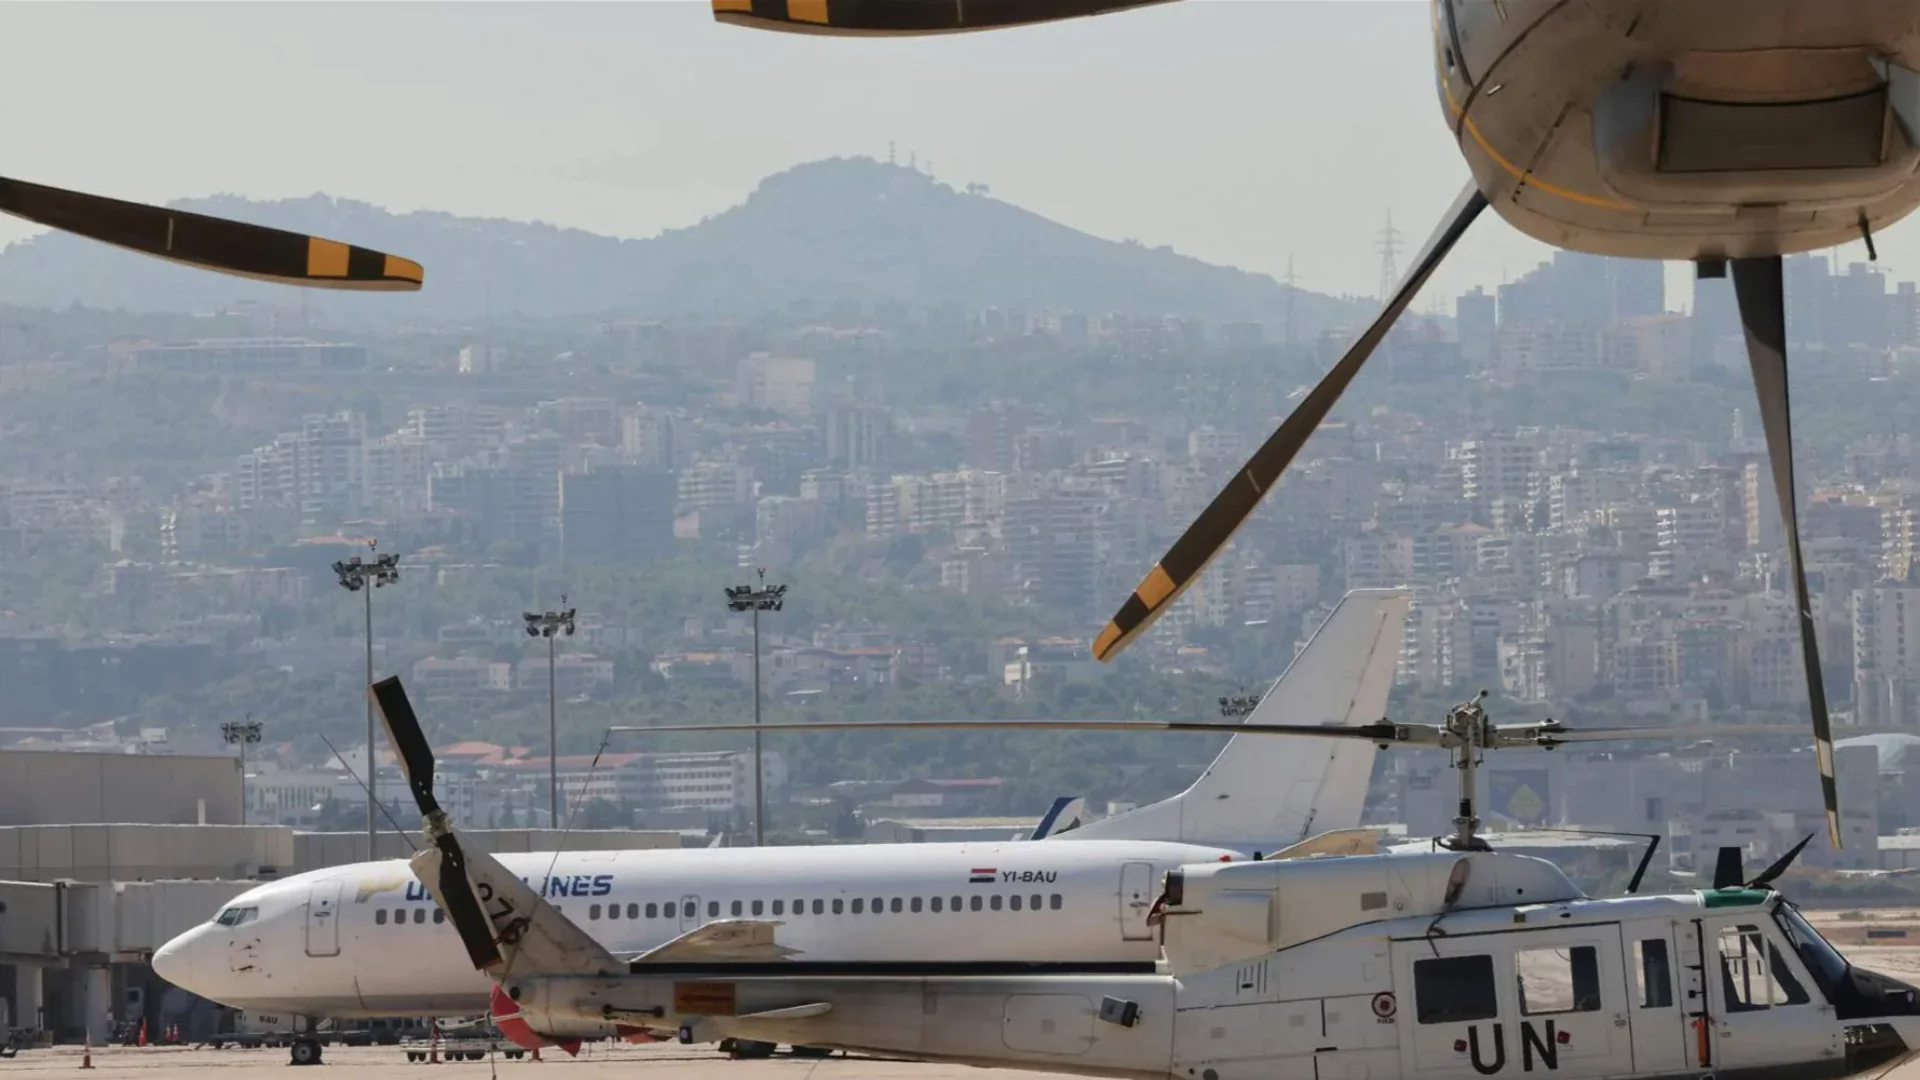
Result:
pixel 894 18
pixel 1380 732
pixel 448 878
pixel 1758 287
pixel 211 243
pixel 1190 554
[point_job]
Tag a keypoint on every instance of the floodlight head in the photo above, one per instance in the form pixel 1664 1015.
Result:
pixel 569 627
pixel 532 630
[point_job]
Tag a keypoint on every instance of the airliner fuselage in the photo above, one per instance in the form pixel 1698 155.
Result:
pixel 367 940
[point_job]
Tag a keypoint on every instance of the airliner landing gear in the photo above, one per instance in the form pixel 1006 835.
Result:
pixel 306 1051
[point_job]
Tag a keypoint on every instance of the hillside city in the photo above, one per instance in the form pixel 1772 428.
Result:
pixel 1567 474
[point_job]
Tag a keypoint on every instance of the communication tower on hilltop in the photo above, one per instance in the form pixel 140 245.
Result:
pixel 1388 246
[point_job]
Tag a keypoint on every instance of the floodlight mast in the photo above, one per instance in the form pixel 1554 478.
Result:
pixel 548 624
pixel 764 598
pixel 364 576
pixel 244 733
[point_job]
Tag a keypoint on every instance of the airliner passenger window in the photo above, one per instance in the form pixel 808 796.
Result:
pixel 1455 989
pixel 894 906
pixel 859 905
pixel 1034 903
pixel 1557 980
pixel 1014 901
pixel 1056 902
pixel 759 906
pixel 380 916
pixel 956 903
pixel 399 916
pixel 936 904
pixel 713 909
pixel 914 906
pixel 836 906
pixel 819 907
pixel 419 916
pixel 737 909
pixel 593 911
pixel 439 916
pixel 688 910
pixel 879 905
pixel 994 903
pixel 653 911
pixel 613 911
pixel 780 907
pixel 975 905
pixel 633 911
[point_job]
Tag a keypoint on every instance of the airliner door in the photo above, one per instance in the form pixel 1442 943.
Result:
pixel 1136 899
pixel 323 919
pixel 689 913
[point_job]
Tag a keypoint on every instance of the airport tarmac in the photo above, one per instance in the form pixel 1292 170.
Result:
pixel 660 1060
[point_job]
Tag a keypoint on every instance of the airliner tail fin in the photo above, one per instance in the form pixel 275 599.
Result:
pixel 1266 792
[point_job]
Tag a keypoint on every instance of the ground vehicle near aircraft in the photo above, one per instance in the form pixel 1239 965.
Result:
pixel 1455 962
pixel 1724 132
pixel 368 940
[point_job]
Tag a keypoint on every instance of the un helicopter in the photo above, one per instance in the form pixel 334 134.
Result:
pixel 1461 961
pixel 1727 133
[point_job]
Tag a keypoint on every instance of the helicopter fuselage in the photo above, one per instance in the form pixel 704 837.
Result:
pixel 1700 130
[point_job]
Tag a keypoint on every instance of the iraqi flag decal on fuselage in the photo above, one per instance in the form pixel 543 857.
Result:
pixel 982 876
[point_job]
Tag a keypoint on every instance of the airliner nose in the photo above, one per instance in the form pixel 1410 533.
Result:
pixel 176 961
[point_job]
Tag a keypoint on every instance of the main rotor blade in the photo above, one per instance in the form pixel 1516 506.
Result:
pixel 409 741
pixel 211 243
pixel 1382 731
pixel 1190 554
pixel 1758 287
pixel 901 18
pixel 450 883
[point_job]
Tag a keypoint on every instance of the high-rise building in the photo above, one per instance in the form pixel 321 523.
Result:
pixel 617 515
pixel 1886 654
pixel 1476 315
pixel 857 436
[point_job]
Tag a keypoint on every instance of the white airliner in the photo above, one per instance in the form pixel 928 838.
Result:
pixel 368 940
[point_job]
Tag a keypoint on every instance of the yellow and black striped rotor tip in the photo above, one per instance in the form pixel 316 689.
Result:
pixel 1155 593
pixel 903 17
pixel 211 243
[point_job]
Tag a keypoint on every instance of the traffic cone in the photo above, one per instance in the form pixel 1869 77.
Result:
pixel 143 1033
pixel 86 1053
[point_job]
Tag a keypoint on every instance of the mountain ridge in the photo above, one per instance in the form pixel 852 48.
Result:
pixel 823 231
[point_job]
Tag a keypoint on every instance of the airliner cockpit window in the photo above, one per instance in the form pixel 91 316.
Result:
pixel 234 916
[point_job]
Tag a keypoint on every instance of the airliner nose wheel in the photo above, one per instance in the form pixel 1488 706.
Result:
pixel 1761 294
pixel 305 1052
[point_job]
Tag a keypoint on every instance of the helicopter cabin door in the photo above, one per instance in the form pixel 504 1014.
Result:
pixel 1547 1001
pixel 1766 1010
pixel 1663 994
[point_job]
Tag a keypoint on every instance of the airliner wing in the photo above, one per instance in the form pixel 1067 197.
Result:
pixel 729 941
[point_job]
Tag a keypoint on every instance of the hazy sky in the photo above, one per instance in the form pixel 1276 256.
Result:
pixel 1239 131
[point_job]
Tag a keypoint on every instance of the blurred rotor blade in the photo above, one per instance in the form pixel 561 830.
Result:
pixel 1761 293
pixel 899 18
pixel 445 876
pixel 211 243
pixel 1550 733
pixel 1189 555
pixel 1781 865
pixel 1382 731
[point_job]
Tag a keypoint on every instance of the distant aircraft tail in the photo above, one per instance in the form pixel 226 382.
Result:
pixel 1267 792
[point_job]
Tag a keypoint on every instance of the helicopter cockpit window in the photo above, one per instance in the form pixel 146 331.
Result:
pixel 1753 974
pixel 1828 966
pixel 1455 989
pixel 1557 980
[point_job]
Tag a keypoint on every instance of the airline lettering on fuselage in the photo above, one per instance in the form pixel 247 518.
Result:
pixel 581 885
